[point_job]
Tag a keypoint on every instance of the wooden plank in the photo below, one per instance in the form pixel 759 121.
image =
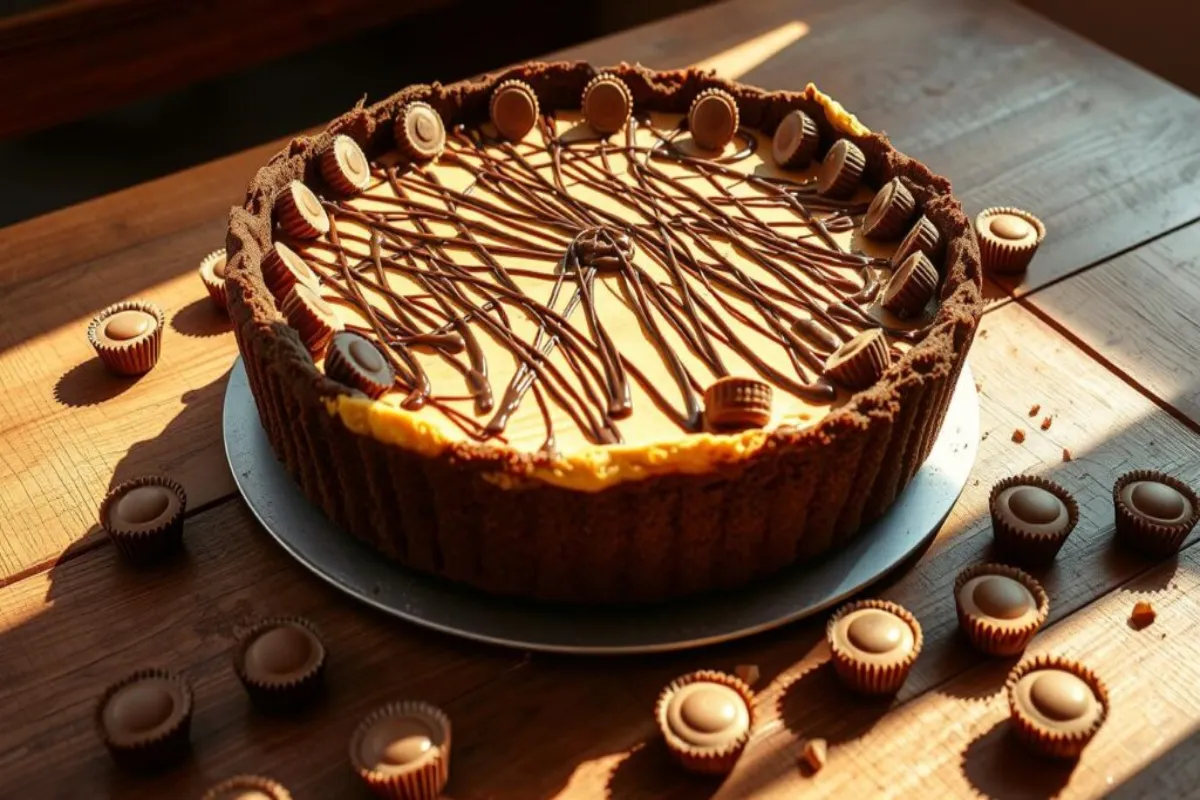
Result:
pixel 69 430
pixel 69 632
pixel 1138 312
pixel 557 725
pixel 1014 109
pixel 92 56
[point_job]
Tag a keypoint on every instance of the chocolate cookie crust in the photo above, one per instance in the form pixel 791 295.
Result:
pixel 472 513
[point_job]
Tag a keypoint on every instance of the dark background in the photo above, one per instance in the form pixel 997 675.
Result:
pixel 97 95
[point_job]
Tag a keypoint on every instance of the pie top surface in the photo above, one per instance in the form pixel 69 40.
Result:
pixel 571 292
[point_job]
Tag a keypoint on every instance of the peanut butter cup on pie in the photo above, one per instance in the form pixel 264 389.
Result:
pixel 555 300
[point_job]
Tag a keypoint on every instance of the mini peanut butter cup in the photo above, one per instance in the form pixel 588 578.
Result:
pixel 1031 518
pixel 607 104
pixel 357 362
pixel 247 787
pixel 144 719
pixel 1056 705
pixel 143 518
pixel 212 275
pixel 1155 512
pixel 713 119
pixel 402 751
pixel 312 317
pixel 890 212
pixel 128 336
pixel 841 171
pixel 860 362
pixel 1000 608
pixel 299 212
pixel 281 662
pixel 705 718
pixel 910 287
pixel 795 141
pixel 874 645
pixel 345 167
pixel 514 109
pixel 1008 238
pixel 922 237
pixel 283 268
pixel 419 132
pixel 732 404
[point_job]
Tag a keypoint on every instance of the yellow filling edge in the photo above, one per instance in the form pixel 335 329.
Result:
pixel 595 468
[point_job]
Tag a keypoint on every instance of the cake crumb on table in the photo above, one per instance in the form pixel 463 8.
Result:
pixel 1036 407
pixel 813 755
pixel 1018 435
pixel 1046 422
pixel 1143 614
pixel 748 673
pixel 1066 454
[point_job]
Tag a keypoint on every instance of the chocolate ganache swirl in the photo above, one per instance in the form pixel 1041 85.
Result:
pixel 591 278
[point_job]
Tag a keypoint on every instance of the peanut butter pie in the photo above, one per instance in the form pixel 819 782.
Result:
pixel 601 335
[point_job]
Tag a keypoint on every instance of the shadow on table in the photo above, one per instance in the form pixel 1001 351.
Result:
pixel 201 319
pixel 999 767
pixel 648 772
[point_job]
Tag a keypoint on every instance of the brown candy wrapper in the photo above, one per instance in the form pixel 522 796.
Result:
pixel 282 695
pixel 420 132
pixel 1005 256
pixel 733 403
pixel 890 211
pixel 705 760
pixel 795 141
pixel 426 779
pixel 311 316
pixel 283 268
pixel 345 167
pixel 134 356
pixel 995 637
pixel 841 171
pixel 866 677
pixel 1057 744
pixel 214 283
pixel 1023 547
pixel 247 784
pixel 910 288
pixel 151 754
pixel 299 212
pixel 1144 535
pixel 859 362
pixel 142 546
pixel 922 237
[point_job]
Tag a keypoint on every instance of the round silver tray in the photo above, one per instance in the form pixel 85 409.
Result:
pixel 795 593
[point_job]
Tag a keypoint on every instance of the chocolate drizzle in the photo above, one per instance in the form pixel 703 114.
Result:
pixel 684 227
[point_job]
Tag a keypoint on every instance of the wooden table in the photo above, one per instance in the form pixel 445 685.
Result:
pixel 1101 334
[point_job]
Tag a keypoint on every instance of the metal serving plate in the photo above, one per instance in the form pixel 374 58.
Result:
pixel 304 532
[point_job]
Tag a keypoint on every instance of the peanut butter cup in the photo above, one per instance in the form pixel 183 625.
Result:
pixel 911 286
pixel 344 167
pixel 1031 518
pixel 247 787
pixel 733 403
pixel 1056 705
pixel 357 362
pixel 1000 608
pixel 891 211
pixel 128 336
pixel 713 119
pixel 282 269
pixel 1155 512
pixel 841 171
pixel 312 317
pixel 859 362
pixel 143 518
pixel 299 212
pixel 402 751
pixel 607 104
pixel 212 275
pixel 1008 238
pixel 874 645
pixel 420 133
pixel 144 719
pixel 922 237
pixel 514 109
pixel 705 718
pixel 281 662
pixel 795 141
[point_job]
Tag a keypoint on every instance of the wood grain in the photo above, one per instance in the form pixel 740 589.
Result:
pixel 1139 313
pixel 91 56
pixel 555 725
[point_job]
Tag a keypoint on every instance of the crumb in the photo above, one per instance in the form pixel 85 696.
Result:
pixel 1018 435
pixel 983 334
pixel 978 387
pixel 1066 454
pixel 1036 407
pixel 813 755
pixel 1046 422
pixel 1143 614
pixel 985 435
pixel 748 673
pixel 976 483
